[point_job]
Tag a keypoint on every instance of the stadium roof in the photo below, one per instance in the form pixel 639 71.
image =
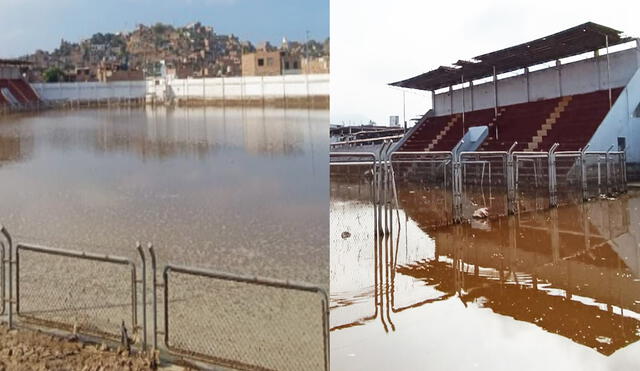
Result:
pixel 573 41
pixel 14 62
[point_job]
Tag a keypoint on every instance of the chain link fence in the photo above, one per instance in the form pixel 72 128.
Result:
pixel 214 317
pixel 79 292
pixel 245 323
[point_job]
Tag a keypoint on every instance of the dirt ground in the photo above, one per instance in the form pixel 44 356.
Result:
pixel 24 349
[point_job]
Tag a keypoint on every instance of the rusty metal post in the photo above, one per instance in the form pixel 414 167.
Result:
pixel 7 236
pixel 144 295
pixel 154 287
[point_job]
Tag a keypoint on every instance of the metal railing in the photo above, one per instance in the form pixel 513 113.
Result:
pixel 268 324
pixel 511 182
pixel 47 290
pixel 231 305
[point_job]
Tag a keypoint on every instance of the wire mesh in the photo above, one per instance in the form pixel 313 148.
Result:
pixel 245 325
pixel 531 182
pixel 484 183
pixel 617 181
pixel 424 185
pixel 596 174
pixel 568 178
pixel 75 294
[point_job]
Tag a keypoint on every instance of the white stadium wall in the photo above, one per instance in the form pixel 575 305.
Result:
pixel 566 79
pixel 622 122
pixel 231 88
pixel 91 91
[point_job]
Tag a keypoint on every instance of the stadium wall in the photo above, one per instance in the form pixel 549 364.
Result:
pixel 623 121
pixel 192 91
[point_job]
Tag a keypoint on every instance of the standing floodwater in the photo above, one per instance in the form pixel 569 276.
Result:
pixel 556 289
pixel 242 190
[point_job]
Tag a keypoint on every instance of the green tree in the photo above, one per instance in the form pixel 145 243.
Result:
pixel 53 74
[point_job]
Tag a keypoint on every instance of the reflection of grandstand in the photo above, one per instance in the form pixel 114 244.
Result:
pixel 561 88
pixel 569 271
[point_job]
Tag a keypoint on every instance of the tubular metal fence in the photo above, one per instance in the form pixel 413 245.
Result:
pixel 446 187
pixel 213 317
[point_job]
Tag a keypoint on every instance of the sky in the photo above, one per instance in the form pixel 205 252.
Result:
pixel 375 42
pixel 28 25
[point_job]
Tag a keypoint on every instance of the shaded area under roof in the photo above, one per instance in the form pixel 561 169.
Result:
pixel 573 41
pixel 14 62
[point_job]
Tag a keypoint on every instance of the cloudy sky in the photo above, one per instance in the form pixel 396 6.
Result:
pixel 28 25
pixel 374 42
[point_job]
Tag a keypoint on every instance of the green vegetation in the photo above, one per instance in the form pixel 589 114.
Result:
pixel 53 74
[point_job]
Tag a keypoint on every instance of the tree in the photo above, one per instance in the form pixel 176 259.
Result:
pixel 53 74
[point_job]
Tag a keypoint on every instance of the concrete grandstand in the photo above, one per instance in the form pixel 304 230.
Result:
pixel 579 87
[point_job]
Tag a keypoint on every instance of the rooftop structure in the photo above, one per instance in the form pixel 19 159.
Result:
pixel 577 40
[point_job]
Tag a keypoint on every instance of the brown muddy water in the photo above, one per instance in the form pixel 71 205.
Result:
pixel 241 190
pixel 556 289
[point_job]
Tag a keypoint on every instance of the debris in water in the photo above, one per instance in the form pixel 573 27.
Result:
pixel 481 213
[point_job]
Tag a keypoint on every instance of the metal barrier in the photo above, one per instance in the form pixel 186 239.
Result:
pixel 427 179
pixel 244 322
pixel 568 171
pixel 448 186
pixel 48 292
pixel 531 181
pixel 215 317
pixel 485 182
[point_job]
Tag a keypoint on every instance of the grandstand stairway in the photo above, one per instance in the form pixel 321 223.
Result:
pixel 548 125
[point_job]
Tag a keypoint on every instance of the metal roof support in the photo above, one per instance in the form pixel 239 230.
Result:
pixel 471 87
pixel 451 97
pixel 495 92
pixel 559 69
pixel 433 101
pixel 463 108
pixel 606 41
pixel 526 75
pixel 596 58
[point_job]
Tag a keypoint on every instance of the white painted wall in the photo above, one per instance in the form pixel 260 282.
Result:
pixel 89 91
pixel 569 79
pixel 620 122
pixel 231 88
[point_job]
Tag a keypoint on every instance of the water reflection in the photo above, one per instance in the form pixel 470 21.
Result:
pixel 572 272
pixel 234 189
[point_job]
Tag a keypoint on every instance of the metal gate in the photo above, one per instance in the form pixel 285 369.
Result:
pixel 245 322
pixel 425 181
pixel 76 291
pixel 485 182
pixel 568 170
pixel 531 180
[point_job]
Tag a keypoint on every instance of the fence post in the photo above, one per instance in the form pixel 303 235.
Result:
pixel 624 170
pixel 511 181
pixel 7 236
pixel 154 287
pixel 144 296
pixel 607 157
pixel 583 173
pixel 553 201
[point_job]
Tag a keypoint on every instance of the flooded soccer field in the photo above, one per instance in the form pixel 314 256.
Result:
pixel 240 190
pixel 552 289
